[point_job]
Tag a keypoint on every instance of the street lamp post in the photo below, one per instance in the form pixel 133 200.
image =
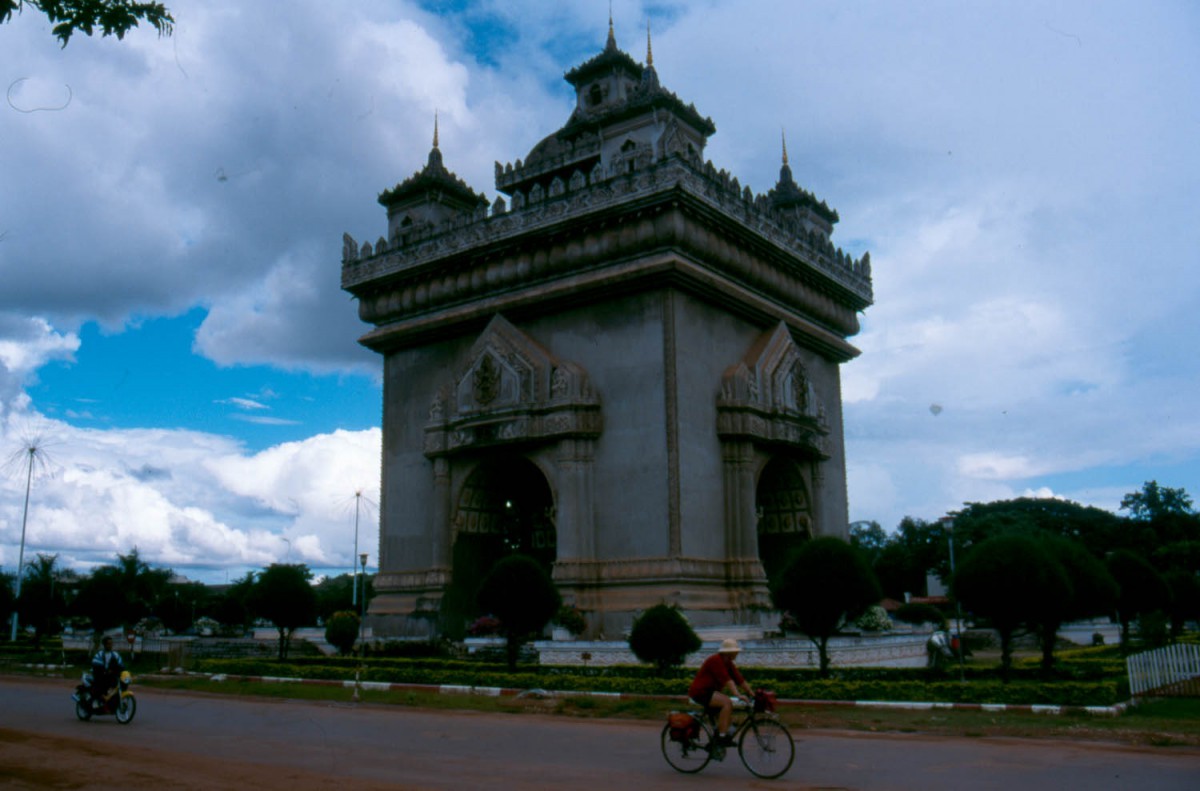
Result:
pixel 957 606
pixel 354 571
pixel 362 614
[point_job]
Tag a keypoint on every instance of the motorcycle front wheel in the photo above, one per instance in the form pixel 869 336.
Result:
pixel 126 708
pixel 83 709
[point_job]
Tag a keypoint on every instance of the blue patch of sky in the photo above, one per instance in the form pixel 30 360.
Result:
pixel 1129 478
pixel 148 377
pixel 491 34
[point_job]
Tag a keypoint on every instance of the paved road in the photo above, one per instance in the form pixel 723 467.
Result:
pixel 381 746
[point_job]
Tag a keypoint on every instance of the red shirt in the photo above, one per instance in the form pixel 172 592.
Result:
pixel 713 675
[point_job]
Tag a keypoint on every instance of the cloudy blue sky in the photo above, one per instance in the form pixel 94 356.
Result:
pixel 1025 176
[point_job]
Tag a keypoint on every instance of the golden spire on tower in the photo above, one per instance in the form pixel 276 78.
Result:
pixel 435 128
pixel 649 48
pixel 783 137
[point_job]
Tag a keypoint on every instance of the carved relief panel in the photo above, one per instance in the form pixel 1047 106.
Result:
pixel 510 389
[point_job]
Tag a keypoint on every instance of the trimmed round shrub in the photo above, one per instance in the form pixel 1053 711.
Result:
pixel 341 630
pixel 662 637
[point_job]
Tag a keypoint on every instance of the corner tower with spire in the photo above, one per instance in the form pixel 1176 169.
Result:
pixel 626 366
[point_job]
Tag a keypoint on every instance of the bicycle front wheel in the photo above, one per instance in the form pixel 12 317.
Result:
pixel 766 748
pixel 690 756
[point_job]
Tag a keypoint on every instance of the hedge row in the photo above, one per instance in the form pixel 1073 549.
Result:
pixel 1065 693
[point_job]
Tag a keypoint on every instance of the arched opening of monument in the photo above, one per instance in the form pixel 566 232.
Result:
pixel 505 507
pixel 784 514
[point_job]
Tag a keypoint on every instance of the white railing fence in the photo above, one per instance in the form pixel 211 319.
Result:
pixel 1173 670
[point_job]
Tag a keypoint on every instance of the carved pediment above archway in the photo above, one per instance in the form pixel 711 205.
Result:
pixel 510 389
pixel 767 396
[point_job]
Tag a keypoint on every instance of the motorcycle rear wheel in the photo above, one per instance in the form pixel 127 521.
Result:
pixel 83 709
pixel 126 708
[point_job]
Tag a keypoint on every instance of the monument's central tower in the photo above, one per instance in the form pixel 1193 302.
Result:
pixel 628 369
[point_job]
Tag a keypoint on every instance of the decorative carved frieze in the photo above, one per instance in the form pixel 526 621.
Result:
pixel 669 171
pixel 768 397
pixel 511 389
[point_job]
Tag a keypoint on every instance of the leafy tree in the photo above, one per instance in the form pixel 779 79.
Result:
pixel 1092 592
pixel 335 594
pixel 141 586
pixel 1178 555
pixel 1010 580
pixel 8 597
pixel 1154 501
pixel 101 600
pixel 180 605
pixel 1142 590
pixel 341 631
pixel 43 600
pixel 111 17
pixel 827 583
pixel 231 608
pixel 869 538
pixel 916 548
pixel 1185 599
pixel 521 594
pixel 1098 530
pixel 899 572
pixel 282 595
pixel 662 637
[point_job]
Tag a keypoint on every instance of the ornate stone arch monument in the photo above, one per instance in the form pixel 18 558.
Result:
pixel 628 367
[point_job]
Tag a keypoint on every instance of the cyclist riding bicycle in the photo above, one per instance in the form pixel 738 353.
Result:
pixel 716 684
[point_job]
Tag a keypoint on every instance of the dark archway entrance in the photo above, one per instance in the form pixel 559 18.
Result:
pixel 784 513
pixel 505 506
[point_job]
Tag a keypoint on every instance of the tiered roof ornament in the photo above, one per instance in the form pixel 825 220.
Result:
pixel 619 106
pixel 430 196
pixel 788 198
pixel 628 140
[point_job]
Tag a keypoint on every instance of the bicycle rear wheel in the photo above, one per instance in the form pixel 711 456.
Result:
pixel 691 756
pixel 766 747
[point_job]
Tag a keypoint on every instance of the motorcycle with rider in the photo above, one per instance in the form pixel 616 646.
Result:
pixel 105 690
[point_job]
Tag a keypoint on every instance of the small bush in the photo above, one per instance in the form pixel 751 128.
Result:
pixel 341 631
pixel 662 637
pixel 571 619
pixel 875 619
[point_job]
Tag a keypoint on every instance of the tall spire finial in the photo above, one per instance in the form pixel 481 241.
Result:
pixel 435 128
pixel 649 48
pixel 783 137
pixel 612 37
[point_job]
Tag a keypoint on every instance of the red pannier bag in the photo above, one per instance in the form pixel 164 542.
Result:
pixel 764 700
pixel 683 726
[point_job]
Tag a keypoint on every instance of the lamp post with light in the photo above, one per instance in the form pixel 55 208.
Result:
pixel 362 606
pixel 962 677
pixel 362 645
pixel 354 585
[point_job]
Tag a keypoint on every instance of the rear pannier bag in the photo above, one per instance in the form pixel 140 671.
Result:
pixel 683 726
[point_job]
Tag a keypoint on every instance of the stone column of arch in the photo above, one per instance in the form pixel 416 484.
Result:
pixel 766 407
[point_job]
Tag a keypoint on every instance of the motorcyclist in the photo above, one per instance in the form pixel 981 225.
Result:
pixel 106 668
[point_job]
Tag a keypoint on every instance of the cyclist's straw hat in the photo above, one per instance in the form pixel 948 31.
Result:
pixel 729 646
